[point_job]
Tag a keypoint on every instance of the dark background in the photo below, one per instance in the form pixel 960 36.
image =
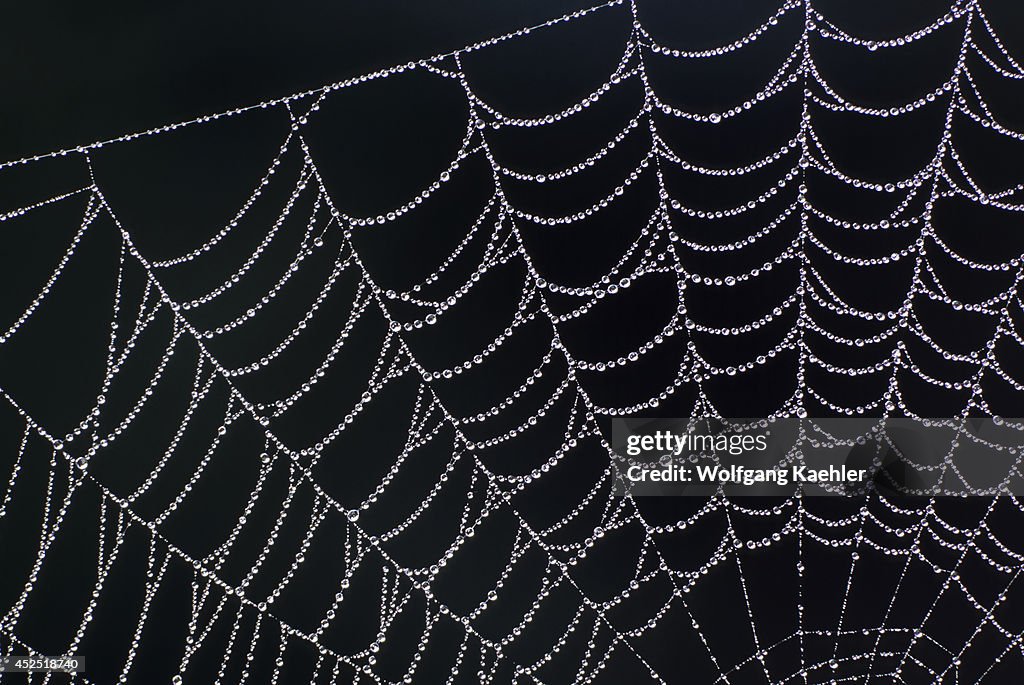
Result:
pixel 73 75
pixel 76 73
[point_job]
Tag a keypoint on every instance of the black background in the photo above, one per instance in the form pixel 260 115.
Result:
pixel 74 75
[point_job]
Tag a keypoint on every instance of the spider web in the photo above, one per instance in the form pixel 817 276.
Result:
pixel 223 506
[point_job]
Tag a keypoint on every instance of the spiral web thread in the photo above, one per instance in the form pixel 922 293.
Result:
pixel 607 631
